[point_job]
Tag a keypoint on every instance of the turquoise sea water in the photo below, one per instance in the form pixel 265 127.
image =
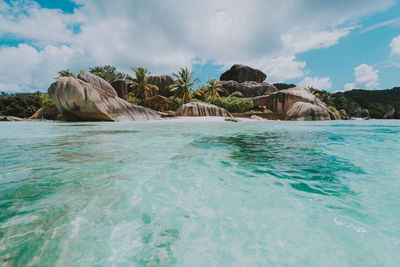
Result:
pixel 200 194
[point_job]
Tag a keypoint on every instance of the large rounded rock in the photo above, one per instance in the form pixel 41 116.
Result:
pixel 302 111
pixel 242 73
pixel 97 82
pixel 122 87
pixel 199 109
pixel 162 82
pixel 248 89
pixel 90 103
pixel 283 100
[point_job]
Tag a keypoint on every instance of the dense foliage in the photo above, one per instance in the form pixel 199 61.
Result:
pixel 184 82
pixel 108 73
pixel 66 73
pixel 23 105
pixel 376 101
pixel 231 104
pixel 283 86
pixel 141 89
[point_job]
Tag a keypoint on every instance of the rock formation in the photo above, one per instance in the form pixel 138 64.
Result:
pixel 390 113
pixel 257 118
pixel 303 111
pixel 241 73
pixel 201 109
pixel 45 113
pixel 162 82
pixel 360 112
pixel 10 118
pixel 122 87
pixel 91 103
pixel 343 115
pixel 97 82
pixel 308 108
pixel 247 88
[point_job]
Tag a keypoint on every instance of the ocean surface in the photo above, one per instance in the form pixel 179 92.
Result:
pixel 200 193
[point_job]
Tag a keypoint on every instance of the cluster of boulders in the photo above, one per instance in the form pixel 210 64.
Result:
pixel 123 87
pixel 90 98
pixel 296 103
pixel 246 81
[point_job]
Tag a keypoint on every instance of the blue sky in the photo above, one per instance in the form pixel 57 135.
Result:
pixel 332 45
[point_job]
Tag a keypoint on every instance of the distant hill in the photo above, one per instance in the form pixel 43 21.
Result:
pixel 388 96
pixel 377 102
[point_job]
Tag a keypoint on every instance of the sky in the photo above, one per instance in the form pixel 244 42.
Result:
pixel 332 45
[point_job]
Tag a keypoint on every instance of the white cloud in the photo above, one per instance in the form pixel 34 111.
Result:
pixel 30 68
pixel 395 21
pixel 365 77
pixel 299 42
pixel 395 46
pixel 156 34
pixel 349 86
pixel 316 82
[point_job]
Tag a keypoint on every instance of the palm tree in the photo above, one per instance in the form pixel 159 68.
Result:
pixel 183 84
pixel 141 89
pixel 65 73
pixel 201 92
pixel 213 88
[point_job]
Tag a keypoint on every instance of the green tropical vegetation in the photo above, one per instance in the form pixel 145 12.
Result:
pixel 108 73
pixel 376 101
pixel 214 88
pixel 66 73
pixel 182 87
pixel 231 104
pixel 283 86
pixel 141 89
pixel 23 105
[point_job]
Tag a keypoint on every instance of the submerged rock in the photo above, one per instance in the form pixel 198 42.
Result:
pixel 247 89
pixel 90 103
pixel 201 109
pixel 97 82
pixel 283 100
pixel 242 73
pixel 231 119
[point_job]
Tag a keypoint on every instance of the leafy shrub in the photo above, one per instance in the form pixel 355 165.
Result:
pixel 283 86
pixel 20 105
pixel 135 101
pixel 46 101
pixel 108 73
pixel 232 104
pixel 333 109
